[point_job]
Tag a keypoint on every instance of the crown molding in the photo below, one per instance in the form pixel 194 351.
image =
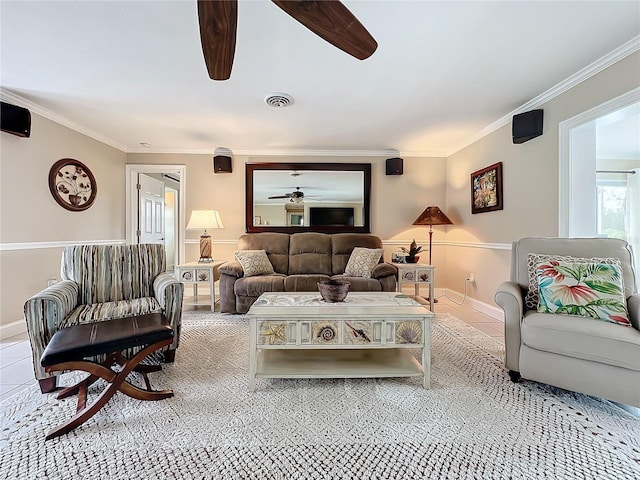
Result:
pixel 424 154
pixel 60 119
pixel 580 76
pixel 274 153
pixel 321 153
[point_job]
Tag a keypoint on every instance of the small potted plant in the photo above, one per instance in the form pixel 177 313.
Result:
pixel 412 251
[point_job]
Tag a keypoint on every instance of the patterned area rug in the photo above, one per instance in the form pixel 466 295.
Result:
pixel 472 423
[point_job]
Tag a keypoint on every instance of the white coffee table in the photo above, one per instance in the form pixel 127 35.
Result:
pixel 370 334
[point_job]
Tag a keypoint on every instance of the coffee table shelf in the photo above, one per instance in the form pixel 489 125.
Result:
pixel 352 363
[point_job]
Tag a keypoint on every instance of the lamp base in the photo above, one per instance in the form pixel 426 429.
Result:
pixel 205 248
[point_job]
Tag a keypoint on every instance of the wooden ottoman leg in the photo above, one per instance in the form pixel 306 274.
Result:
pixel 48 385
pixel 170 356
pixel 117 381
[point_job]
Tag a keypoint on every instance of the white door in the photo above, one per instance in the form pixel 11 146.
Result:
pixel 150 209
pixel 171 226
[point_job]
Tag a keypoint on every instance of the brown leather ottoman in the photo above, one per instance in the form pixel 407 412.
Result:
pixel 69 347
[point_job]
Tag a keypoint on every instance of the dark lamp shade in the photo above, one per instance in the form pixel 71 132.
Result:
pixel 433 216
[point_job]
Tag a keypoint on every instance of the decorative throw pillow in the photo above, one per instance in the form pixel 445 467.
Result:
pixel 254 262
pixel 591 290
pixel 362 261
pixel 534 259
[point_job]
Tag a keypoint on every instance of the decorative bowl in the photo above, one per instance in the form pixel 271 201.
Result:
pixel 333 290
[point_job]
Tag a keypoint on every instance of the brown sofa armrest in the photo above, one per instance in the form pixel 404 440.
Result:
pixel 382 270
pixel 231 268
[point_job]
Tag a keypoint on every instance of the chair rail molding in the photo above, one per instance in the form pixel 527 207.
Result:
pixel 7 247
pixel 485 245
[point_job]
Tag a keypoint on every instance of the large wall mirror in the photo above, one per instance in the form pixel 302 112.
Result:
pixel 308 197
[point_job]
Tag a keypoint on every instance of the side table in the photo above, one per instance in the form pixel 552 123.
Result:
pixel 417 274
pixel 194 273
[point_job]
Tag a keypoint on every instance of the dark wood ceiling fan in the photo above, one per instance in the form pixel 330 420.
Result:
pixel 329 19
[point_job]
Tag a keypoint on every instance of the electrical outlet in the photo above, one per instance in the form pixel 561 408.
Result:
pixel 471 278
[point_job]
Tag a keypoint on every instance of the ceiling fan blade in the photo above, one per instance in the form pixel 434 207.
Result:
pixel 218 22
pixel 288 195
pixel 332 21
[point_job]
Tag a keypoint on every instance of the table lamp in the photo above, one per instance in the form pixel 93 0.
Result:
pixel 205 219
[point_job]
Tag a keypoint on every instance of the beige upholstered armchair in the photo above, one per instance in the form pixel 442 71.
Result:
pixel 586 355
pixel 101 282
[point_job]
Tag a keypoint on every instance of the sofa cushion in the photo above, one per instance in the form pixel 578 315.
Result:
pixel 97 312
pixel 254 262
pixel 310 252
pixel 578 337
pixel 361 261
pixel 256 286
pixel 275 244
pixel 342 244
pixel 592 290
pixel 360 284
pixel 304 283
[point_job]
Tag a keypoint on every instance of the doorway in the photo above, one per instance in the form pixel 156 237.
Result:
pixel 159 209
pixel 599 160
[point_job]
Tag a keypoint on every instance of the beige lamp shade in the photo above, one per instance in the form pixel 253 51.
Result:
pixel 203 220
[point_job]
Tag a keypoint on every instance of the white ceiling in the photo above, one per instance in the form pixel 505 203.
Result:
pixel 618 134
pixel 129 72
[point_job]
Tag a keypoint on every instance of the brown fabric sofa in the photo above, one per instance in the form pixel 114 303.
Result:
pixel 300 261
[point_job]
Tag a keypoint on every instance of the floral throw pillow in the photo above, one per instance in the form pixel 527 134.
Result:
pixel 254 262
pixel 362 261
pixel 591 290
pixel 533 259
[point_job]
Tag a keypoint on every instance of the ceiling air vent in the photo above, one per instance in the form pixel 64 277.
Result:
pixel 278 100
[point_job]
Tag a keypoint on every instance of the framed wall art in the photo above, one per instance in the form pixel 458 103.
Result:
pixel 72 184
pixel 486 189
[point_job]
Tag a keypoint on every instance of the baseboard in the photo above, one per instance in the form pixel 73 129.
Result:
pixel 13 328
pixel 482 307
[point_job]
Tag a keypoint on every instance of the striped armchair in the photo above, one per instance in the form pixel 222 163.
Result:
pixel 101 282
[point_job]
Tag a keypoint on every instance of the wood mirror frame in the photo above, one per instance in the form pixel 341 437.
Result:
pixel 250 168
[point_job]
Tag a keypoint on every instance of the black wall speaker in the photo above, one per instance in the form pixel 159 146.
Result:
pixel 394 166
pixel 15 120
pixel 526 126
pixel 221 164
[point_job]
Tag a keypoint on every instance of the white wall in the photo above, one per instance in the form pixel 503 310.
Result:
pixel 475 243
pixel 530 177
pixel 396 200
pixel 33 225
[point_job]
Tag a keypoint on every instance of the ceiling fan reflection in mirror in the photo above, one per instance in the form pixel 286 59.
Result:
pixel 297 196
pixel 329 19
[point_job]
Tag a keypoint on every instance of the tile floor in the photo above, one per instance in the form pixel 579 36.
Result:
pixel 16 368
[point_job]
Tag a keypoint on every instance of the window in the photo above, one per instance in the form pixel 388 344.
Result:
pixel 611 205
